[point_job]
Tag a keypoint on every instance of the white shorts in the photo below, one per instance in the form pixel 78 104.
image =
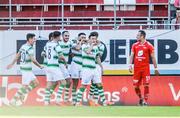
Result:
pixel 27 77
pixel 89 75
pixel 75 70
pixel 65 71
pixel 54 74
pixel 99 71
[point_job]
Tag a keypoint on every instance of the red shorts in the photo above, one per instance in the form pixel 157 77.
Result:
pixel 141 76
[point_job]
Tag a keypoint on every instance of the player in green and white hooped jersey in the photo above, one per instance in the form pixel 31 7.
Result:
pixel 76 64
pixel 89 53
pixel 29 81
pixel 43 52
pixel 54 84
pixel 53 73
pixel 65 45
pixel 96 90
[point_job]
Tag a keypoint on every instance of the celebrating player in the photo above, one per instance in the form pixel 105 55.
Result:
pixel 29 81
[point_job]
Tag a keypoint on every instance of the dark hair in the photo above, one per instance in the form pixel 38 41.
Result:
pixel 94 34
pixel 51 35
pixel 30 35
pixel 81 34
pixel 56 34
pixel 143 33
pixel 64 32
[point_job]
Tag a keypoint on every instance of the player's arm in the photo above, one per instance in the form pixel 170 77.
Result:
pixel 35 62
pixel 78 46
pixel 98 59
pixel 131 61
pixel 154 63
pixel 61 57
pixel 14 60
pixel 88 50
pixel 43 54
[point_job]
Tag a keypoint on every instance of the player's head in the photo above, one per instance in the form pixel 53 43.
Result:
pixel 30 37
pixel 65 36
pixel 56 35
pixel 81 36
pixel 93 37
pixel 141 35
pixel 51 36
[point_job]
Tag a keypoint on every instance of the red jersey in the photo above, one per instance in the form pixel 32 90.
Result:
pixel 142 54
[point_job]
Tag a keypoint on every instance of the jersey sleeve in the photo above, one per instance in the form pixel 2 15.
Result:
pixel 133 48
pixel 58 50
pixel 151 48
pixel 101 49
pixel 73 45
pixel 45 48
pixel 20 50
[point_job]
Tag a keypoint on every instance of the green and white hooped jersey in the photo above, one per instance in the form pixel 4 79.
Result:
pixel 101 49
pixel 53 51
pixel 77 58
pixel 26 51
pixel 89 60
pixel 65 46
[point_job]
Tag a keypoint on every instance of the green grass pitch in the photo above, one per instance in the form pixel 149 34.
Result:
pixel 109 111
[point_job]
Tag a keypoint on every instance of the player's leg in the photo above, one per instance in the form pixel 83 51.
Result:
pixel 80 94
pixel 98 90
pixel 60 91
pixel 47 93
pixel 53 87
pixel 146 80
pixel 68 82
pixel 60 78
pixel 86 80
pixel 137 79
pixel 67 90
pixel 92 91
pixel 19 95
pixel 74 89
pixel 75 70
pixel 29 82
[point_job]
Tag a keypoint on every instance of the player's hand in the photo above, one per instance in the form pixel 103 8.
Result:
pixel 9 66
pixel 43 54
pixel 66 65
pixel 102 70
pixel 130 68
pixel 41 67
pixel 88 52
pixel 156 72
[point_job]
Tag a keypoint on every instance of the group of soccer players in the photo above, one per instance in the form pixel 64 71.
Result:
pixel 86 53
pixel 86 65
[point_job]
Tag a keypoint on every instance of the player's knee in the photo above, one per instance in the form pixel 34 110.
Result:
pixel 35 82
pixel 136 86
pixel 146 84
pixel 99 85
pixel 63 82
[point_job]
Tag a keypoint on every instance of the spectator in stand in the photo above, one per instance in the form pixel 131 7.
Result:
pixel 176 20
pixel 177 4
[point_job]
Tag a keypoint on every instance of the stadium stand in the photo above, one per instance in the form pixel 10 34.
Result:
pixel 88 14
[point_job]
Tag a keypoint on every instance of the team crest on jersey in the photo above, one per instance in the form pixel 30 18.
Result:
pixel 140 53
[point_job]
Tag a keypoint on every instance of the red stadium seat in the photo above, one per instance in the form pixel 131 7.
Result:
pixel 152 1
pixel 52 2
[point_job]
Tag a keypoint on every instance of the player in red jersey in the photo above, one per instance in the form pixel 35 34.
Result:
pixel 141 52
